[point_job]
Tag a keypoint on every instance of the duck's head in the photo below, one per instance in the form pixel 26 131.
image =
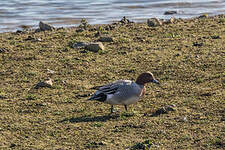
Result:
pixel 146 78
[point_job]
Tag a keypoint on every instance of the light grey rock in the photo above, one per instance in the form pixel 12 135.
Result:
pixel 95 47
pixel 79 45
pixel 153 22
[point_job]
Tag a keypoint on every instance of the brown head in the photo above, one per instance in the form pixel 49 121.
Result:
pixel 146 78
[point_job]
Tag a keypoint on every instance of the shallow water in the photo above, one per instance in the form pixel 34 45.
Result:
pixel 15 13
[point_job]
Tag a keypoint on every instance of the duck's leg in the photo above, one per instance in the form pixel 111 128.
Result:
pixel 111 109
pixel 125 106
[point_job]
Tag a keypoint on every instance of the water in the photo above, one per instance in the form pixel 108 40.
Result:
pixel 15 13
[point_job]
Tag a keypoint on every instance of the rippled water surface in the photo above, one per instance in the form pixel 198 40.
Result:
pixel 16 13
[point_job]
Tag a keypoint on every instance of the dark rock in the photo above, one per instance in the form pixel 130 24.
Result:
pixel 37 30
pixel 197 44
pixel 82 95
pixel 163 110
pixel 204 16
pixel 124 20
pixel 29 38
pixel 12 145
pixel 207 94
pixel 80 30
pixel 97 34
pixel 170 12
pixel 105 39
pixel 2 50
pixel 215 37
pixel 20 32
pixel 44 26
pixel 153 22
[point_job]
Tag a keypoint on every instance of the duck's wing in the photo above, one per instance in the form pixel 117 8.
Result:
pixel 111 88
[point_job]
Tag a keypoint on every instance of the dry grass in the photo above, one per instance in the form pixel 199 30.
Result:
pixel 187 57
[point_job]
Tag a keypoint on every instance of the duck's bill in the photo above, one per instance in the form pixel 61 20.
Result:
pixel 155 81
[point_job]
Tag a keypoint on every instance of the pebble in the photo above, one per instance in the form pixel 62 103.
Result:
pixel 50 71
pixel 2 50
pixel 46 83
pixel 170 12
pixel 105 39
pixel 79 45
pixel 153 22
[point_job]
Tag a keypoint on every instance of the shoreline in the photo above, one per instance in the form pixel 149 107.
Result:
pixel 26 28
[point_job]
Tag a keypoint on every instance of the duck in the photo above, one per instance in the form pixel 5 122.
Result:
pixel 123 92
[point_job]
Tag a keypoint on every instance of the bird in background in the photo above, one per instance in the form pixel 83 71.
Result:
pixel 123 92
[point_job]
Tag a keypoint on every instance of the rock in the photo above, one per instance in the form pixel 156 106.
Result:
pixel 215 37
pixel 46 83
pixel 170 12
pixel 153 22
pixel 164 110
pixel 95 47
pixel 124 20
pixel 20 32
pixel 97 34
pixel 12 145
pixel 172 20
pixel 50 72
pixel 105 39
pixel 79 45
pixel 44 26
pixel 2 50
pixel 37 30
pixel 29 38
pixel 197 44
pixel 204 16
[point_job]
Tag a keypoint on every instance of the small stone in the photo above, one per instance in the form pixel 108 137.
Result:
pixel 172 20
pixel 50 71
pixel 204 16
pixel 124 20
pixel 29 38
pixel 95 47
pixel 164 110
pixel 44 26
pixel 2 50
pixel 46 83
pixel 215 37
pixel 170 12
pixel 105 39
pixel 37 30
pixel 153 22
pixel 19 31
pixel 12 145
pixel 97 34
pixel 197 44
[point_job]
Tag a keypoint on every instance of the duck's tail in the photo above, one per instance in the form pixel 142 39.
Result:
pixel 101 97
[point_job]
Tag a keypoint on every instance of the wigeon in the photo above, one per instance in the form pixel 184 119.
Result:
pixel 123 92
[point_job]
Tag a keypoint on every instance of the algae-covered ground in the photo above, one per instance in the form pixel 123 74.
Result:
pixel 187 57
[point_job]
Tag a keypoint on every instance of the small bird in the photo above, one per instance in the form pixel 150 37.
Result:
pixel 123 92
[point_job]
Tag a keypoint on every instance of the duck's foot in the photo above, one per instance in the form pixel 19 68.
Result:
pixel 112 110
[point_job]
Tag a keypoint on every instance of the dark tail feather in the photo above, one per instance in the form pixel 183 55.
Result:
pixel 100 97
